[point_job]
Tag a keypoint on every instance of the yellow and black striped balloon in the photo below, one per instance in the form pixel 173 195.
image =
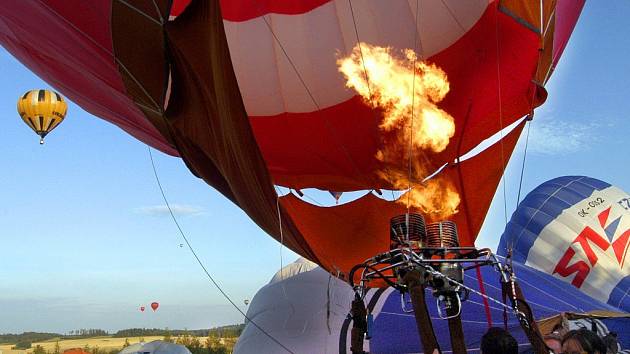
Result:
pixel 42 111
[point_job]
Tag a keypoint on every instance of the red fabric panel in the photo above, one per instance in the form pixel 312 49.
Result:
pixel 243 10
pixel 179 6
pixel 68 44
pixel 567 13
pixel 345 235
pixel 334 149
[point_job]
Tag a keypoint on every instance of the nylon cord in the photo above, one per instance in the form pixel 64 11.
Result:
pixel 413 101
pixel 203 267
pixel 284 290
pixel 503 166
pixel 520 182
pixel 310 94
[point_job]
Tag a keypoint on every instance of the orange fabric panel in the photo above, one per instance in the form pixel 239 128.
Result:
pixel 546 56
pixel 529 11
pixel 345 235
pixel 477 180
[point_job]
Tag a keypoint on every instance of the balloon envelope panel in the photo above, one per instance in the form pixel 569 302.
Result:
pixel 577 229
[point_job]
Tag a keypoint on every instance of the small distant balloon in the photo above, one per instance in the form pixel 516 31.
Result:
pixel 155 305
pixel 246 302
pixel 42 111
pixel 142 308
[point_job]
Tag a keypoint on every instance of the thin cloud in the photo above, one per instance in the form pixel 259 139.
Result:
pixel 178 210
pixel 557 137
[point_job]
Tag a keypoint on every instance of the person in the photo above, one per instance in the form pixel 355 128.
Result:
pixel 553 341
pixel 582 341
pixel 498 341
pixel 611 342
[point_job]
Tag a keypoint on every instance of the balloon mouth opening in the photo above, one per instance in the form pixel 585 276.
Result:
pixel 42 135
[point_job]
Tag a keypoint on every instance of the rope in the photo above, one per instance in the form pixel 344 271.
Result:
pixel 484 296
pixel 520 182
pixel 413 99
pixel 367 78
pixel 205 270
pixel 486 305
pixel 284 290
pixel 500 116
pixel 310 94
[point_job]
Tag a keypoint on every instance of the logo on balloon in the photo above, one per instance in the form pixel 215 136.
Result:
pixel 605 236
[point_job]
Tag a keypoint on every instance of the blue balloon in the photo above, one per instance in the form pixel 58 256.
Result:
pixel 577 229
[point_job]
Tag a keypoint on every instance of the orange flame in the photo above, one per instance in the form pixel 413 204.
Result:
pixel 407 91
pixel 437 199
pixel 403 91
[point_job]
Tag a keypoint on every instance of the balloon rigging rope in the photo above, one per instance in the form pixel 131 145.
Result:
pixel 284 290
pixel 203 267
pixel 520 182
pixel 413 101
pixel 367 77
pixel 503 166
pixel 310 94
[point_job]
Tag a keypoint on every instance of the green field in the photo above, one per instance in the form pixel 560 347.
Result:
pixel 105 342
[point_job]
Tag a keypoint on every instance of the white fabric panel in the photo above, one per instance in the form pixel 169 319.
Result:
pixel 294 312
pixel 155 347
pixel 301 265
pixel 559 235
pixel 315 40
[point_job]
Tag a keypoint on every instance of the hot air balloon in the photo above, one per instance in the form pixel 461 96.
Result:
pixel 577 229
pixel 287 115
pixel 154 306
pixel 141 308
pixel 254 95
pixel 42 111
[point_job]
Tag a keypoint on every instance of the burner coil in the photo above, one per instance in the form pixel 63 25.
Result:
pixel 400 234
pixel 442 234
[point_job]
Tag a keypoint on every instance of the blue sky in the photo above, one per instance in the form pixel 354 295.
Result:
pixel 85 241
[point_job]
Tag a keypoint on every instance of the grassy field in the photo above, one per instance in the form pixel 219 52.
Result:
pixel 101 342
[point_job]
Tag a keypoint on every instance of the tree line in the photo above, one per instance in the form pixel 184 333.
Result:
pixel 231 331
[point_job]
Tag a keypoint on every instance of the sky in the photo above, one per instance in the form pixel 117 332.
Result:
pixel 85 238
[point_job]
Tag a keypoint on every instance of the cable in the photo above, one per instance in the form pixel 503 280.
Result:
pixel 413 101
pixel 500 114
pixel 284 290
pixel 520 182
pixel 328 125
pixel 181 232
pixel 367 78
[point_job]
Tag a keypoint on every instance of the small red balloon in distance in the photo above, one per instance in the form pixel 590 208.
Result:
pixel 155 305
pixel 142 308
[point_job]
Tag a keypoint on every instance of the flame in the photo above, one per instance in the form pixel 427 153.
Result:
pixel 407 92
pixel 437 199
pixel 402 89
